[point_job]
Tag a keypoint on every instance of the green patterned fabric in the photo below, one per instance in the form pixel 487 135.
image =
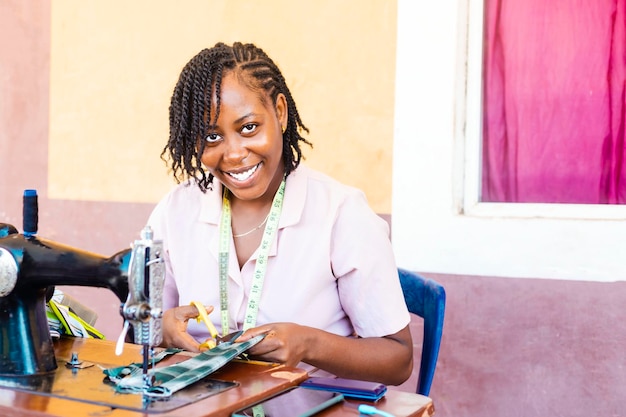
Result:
pixel 172 378
pixel 116 374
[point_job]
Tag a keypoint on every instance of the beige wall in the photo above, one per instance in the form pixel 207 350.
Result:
pixel 84 90
pixel 114 64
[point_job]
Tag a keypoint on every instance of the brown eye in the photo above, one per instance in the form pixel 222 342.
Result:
pixel 213 137
pixel 248 128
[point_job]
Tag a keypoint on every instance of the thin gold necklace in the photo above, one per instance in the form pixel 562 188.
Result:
pixel 254 229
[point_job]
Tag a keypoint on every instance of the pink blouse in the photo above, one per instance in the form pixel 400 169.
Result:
pixel 331 264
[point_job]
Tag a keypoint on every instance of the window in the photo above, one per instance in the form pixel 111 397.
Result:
pixel 545 111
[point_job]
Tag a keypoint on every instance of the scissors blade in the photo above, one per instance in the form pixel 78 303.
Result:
pixel 230 337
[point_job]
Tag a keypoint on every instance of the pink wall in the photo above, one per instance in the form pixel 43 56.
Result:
pixel 100 227
pixel 531 347
pixel 511 347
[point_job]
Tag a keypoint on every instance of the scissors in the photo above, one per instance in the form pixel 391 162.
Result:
pixel 215 338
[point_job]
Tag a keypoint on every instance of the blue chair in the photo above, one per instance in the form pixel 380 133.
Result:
pixel 426 299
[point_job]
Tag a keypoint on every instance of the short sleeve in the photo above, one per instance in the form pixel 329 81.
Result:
pixel 364 264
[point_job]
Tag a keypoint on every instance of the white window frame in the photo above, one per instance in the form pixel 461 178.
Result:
pixel 439 224
pixel 472 206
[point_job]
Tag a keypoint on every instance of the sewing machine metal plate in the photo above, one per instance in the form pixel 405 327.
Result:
pixel 84 394
pixel 88 385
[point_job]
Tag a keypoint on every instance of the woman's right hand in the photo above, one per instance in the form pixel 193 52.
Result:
pixel 175 327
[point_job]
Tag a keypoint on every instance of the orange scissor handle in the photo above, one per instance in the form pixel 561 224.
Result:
pixel 204 317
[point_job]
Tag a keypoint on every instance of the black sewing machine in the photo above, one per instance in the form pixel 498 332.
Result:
pixel 30 266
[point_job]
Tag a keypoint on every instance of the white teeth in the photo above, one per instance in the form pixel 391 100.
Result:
pixel 242 176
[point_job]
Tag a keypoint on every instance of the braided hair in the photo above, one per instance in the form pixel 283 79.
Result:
pixel 191 112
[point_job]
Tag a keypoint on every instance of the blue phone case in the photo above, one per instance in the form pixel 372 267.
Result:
pixel 350 388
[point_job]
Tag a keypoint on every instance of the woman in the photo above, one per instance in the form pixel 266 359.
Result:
pixel 275 247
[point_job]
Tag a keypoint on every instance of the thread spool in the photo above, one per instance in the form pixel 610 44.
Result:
pixel 30 213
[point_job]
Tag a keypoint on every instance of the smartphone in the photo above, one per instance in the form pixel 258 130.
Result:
pixel 350 388
pixel 297 401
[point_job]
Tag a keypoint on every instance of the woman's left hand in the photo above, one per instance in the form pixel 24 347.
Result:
pixel 284 342
pixel 344 356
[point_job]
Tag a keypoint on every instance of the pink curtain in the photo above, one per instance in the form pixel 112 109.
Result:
pixel 554 91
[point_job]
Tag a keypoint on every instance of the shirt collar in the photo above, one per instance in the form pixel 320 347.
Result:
pixel 293 203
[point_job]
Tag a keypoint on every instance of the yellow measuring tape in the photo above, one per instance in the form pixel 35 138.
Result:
pixel 271 228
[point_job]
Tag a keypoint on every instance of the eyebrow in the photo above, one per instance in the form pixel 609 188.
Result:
pixel 238 121
pixel 244 117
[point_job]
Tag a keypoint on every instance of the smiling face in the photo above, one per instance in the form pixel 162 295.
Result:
pixel 244 147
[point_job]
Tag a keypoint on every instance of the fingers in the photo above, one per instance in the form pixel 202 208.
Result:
pixel 175 328
pixel 184 341
pixel 203 316
pixel 191 311
pixel 265 346
pixel 251 333
pixel 279 345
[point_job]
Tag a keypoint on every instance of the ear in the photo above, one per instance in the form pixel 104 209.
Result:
pixel 281 110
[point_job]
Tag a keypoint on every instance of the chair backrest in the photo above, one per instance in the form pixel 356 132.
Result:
pixel 425 298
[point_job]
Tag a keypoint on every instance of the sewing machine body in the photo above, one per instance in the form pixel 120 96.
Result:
pixel 29 266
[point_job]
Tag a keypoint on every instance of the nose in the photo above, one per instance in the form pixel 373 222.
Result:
pixel 235 150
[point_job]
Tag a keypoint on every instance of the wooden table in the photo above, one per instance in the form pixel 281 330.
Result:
pixel 396 403
pixel 255 381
